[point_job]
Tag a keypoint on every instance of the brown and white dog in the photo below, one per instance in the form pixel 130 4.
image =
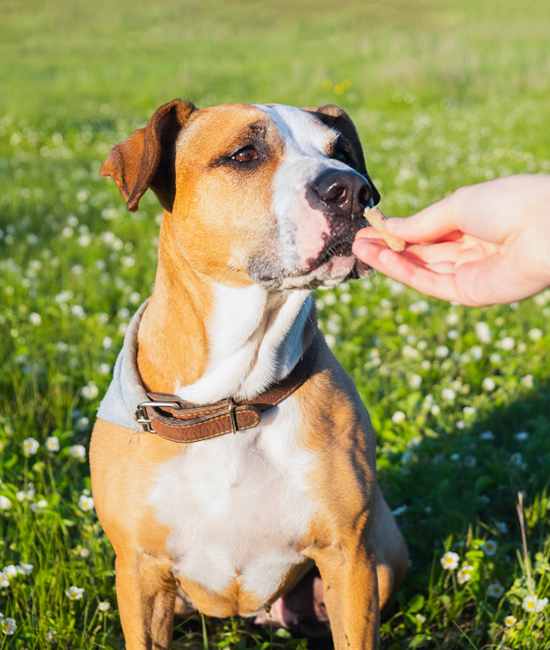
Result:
pixel 262 203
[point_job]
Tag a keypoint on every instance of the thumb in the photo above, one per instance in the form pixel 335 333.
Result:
pixel 427 225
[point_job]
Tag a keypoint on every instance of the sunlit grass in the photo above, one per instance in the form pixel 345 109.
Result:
pixel 443 95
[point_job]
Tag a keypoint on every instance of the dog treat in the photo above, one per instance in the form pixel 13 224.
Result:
pixel 376 220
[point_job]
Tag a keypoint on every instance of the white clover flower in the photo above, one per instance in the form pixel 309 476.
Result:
pixel 398 417
pixel 420 307
pixel 522 436
pixel 530 603
pixel 8 626
pixel 385 303
pixel 74 593
pixel 448 394
pixel 441 351
pixel 67 232
pixel 41 505
pixel 82 195
pixel 86 503
pixel 470 461
pixel 527 381
pixel 91 391
pixel 489 547
pixel 415 380
pixel 104 606
pixel 20 496
pixel 403 330
pixel 409 352
pixel 332 327
pixel 10 571
pixel 421 618
pixel 456 385
pixel 425 365
pixel 435 410
pixel 510 620
pixel 535 334
pixel 25 569
pixel 501 527
pixel 4 582
pixel 495 590
pixel 77 451
pixel 51 636
pixel 488 384
pixel 107 342
pixel 495 358
pixel 453 335
pixel 85 552
pixel 104 368
pixel 30 446
pixel 52 443
pixel 483 332
pixel 450 560
pixel 461 424
pixel 452 318
pixel 487 435
pixel 5 503
pixel 516 459
pixel 469 410
pixel 541 604
pixel 83 422
pixel 465 574
pixel 35 319
pixel 476 352
pixel 121 329
pixel 522 348
pixel 455 457
pixel 507 344
pixel 135 297
pixel 331 341
pixel 345 297
pixel 78 311
pixel 330 299
pixel 422 345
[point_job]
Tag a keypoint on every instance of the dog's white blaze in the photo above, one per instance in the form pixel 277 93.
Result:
pixel 301 227
pixel 237 505
pixel 251 344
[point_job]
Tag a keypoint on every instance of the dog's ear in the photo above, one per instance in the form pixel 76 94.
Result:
pixel 147 158
pixel 338 119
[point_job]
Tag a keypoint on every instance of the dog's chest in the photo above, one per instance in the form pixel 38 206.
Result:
pixel 237 505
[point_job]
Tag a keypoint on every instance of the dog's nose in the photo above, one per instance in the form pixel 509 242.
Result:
pixel 345 192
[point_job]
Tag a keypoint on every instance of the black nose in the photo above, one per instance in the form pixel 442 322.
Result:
pixel 344 192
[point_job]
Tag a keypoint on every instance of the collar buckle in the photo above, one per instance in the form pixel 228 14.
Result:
pixel 142 417
pixel 231 407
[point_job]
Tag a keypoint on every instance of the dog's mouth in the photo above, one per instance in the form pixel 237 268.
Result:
pixel 332 250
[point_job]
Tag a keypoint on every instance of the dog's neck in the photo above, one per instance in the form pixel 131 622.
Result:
pixel 205 341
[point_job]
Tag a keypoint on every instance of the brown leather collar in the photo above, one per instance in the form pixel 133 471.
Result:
pixel 179 421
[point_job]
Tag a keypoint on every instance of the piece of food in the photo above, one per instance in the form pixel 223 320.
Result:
pixel 376 220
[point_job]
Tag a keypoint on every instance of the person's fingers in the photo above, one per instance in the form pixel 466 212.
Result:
pixel 418 277
pixel 429 224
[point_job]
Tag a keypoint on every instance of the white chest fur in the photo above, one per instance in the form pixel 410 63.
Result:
pixel 237 505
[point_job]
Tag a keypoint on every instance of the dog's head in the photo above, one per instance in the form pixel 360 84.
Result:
pixel 270 194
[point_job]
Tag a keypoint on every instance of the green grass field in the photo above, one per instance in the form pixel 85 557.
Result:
pixel 443 94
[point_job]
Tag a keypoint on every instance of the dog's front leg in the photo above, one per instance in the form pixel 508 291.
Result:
pixel 146 593
pixel 350 590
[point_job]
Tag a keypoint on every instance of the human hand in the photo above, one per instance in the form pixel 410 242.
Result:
pixel 484 244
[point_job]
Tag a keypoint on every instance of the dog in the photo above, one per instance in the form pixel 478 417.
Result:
pixel 233 463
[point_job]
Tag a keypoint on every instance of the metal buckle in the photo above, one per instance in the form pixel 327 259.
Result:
pixel 141 414
pixel 231 406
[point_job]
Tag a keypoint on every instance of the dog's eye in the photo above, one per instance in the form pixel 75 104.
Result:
pixel 245 155
pixel 342 157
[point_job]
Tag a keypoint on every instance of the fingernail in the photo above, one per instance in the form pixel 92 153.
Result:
pixel 393 224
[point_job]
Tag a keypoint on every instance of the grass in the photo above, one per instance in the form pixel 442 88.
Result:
pixel 443 94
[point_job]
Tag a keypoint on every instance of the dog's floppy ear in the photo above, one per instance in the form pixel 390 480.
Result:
pixel 336 118
pixel 147 158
